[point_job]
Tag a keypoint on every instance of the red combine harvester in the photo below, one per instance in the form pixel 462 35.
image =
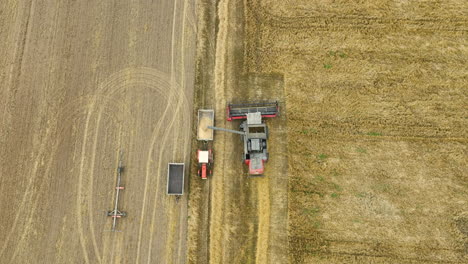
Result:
pixel 205 154
pixel 240 111
pixel 254 131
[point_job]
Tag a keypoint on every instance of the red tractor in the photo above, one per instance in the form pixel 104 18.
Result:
pixel 205 163
pixel 205 136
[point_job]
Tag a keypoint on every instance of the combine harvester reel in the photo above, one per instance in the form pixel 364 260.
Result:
pixel 116 213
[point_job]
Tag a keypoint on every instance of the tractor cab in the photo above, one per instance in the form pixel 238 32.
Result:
pixel 205 161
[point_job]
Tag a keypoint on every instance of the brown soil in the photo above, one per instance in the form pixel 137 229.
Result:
pixel 79 83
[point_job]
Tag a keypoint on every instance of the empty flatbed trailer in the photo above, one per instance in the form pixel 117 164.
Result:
pixel 175 178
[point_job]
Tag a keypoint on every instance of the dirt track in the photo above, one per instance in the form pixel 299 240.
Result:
pixel 79 83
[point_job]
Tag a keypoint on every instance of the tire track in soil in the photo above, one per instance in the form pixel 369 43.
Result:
pixel 140 74
pixel 117 83
pixel 155 136
pixel 18 55
pixel 35 201
pixel 182 98
pixel 172 77
pixel 81 200
pixel 29 195
pixel 78 211
pixel 186 139
pixel 215 241
pixel 165 139
pixel 28 192
pixel 262 244
pixel 89 114
pixel 153 142
pixel 164 96
pixel 147 78
pixel 90 187
pixel 105 249
pixel 175 110
pixel 13 82
pixel 80 183
pixel 91 180
pixel 31 212
pixel 21 48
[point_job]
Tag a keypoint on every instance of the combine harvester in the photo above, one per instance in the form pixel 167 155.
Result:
pixel 205 154
pixel 253 130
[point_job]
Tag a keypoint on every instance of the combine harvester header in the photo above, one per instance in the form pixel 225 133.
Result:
pixel 240 110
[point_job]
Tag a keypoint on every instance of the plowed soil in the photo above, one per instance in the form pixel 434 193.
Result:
pixel 373 140
pixel 80 83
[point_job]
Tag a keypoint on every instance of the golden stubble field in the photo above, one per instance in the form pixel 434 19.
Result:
pixel 79 83
pixel 376 98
